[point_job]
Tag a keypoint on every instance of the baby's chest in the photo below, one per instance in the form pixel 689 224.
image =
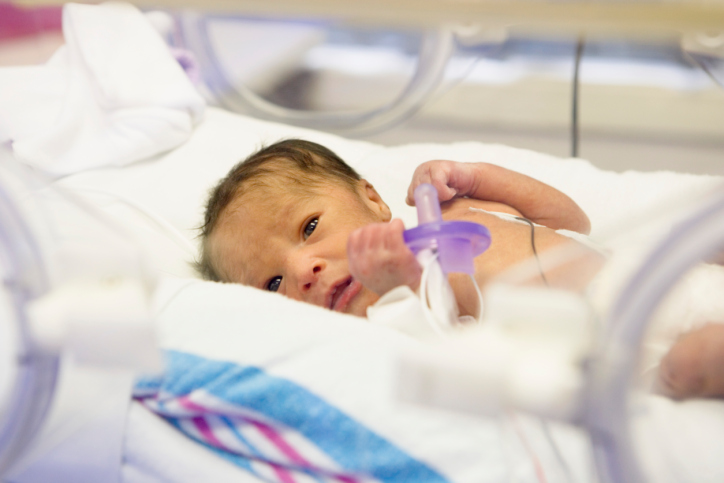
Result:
pixel 477 211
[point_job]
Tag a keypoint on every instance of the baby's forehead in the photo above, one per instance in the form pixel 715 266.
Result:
pixel 243 233
pixel 274 200
pixel 283 186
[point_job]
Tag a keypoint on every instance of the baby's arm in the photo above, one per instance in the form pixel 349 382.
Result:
pixel 694 367
pixel 533 199
pixel 379 259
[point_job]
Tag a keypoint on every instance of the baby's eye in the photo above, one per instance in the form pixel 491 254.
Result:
pixel 310 227
pixel 273 284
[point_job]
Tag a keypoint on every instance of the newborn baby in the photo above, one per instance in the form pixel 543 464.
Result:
pixel 294 218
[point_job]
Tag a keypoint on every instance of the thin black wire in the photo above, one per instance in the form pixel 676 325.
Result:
pixel 532 244
pixel 703 63
pixel 575 130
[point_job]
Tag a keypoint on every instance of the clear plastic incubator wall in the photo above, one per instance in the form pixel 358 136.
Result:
pixel 76 328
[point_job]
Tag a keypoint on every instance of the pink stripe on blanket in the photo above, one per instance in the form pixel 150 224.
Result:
pixel 283 475
pixel 203 426
pixel 281 444
pixel 187 403
pixel 275 438
pixel 266 430
pixel 207 433
pixel 290 452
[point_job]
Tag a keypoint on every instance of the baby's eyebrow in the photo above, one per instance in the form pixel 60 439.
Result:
pixel 292 216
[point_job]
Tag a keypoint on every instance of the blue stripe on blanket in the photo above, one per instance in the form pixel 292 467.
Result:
pixel 147 386
pixel 352 445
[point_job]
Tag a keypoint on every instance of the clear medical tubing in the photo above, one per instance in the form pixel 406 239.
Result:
pixel 437 48
pixel 24 279
pixel 457 243
pixel 610 376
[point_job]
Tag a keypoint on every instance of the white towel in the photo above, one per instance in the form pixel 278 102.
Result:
pixel 114 94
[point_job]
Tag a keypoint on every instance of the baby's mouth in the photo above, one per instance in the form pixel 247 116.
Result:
pixel 342 293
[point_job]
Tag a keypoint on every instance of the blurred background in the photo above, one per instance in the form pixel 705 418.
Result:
pixel 643 103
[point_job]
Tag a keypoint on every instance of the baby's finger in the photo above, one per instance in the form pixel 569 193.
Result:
pixel 410 199
pixel 436 173
pixel 353 244
pixel 358 254
pixel 373 236
pixel 393 236
pixel 441 182
pixel 359 239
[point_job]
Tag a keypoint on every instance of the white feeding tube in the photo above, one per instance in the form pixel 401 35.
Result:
pixel 435 291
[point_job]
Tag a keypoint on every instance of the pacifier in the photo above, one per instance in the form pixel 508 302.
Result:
pixel 456 243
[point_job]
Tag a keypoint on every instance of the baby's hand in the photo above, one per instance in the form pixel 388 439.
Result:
pixel 450 178
pixel 694 366
pixel 379 258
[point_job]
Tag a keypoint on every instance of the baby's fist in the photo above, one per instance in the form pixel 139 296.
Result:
pixel 449 178
pixel 694 366
pixel 380 260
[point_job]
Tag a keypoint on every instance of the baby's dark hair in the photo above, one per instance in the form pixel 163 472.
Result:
pixel 301 163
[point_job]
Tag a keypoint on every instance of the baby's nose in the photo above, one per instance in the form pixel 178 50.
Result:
pixel 308 279
pixel 308 275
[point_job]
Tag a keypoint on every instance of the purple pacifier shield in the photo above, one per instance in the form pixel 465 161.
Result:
pixel 457 243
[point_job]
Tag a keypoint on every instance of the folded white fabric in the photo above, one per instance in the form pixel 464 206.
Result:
pixel 114 94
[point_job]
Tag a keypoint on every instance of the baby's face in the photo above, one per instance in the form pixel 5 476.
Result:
pixel 293 240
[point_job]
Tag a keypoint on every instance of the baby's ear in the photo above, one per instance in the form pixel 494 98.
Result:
pixel 373 199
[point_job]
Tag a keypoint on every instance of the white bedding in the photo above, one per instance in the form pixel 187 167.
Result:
pixel 161 201
pixel 111 95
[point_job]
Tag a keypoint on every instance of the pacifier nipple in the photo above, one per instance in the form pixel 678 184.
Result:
pixel 428 206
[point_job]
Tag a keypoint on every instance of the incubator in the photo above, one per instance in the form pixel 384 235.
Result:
pixel 75 301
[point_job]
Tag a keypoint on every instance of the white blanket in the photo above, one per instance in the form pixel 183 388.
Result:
pixel 114 94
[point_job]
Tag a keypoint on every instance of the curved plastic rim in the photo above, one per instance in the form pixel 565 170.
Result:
pixel 437 48
pixel 37 372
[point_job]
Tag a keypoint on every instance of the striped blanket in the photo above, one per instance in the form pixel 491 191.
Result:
pixel 272 427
